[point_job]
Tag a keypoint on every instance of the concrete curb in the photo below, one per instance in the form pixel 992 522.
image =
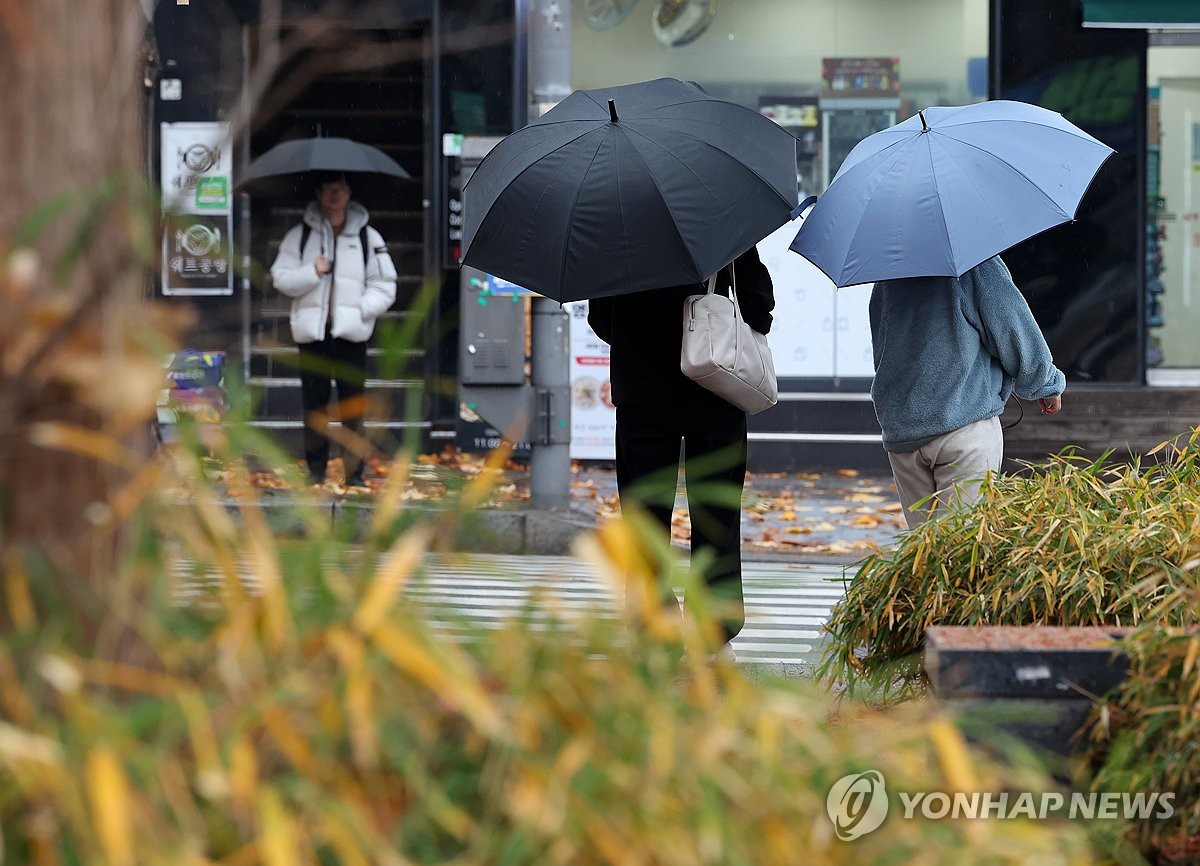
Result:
pixel 548 532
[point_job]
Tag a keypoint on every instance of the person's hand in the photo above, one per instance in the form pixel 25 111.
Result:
pixel 322 266
pixel 1050 405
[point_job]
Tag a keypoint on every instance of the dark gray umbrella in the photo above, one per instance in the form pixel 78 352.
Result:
pixel 293 168
pixel 628 188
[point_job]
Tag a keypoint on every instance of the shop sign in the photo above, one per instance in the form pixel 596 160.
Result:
pixel 195 171
pixel 860 77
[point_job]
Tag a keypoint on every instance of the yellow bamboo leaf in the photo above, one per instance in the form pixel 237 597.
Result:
pixel 613 550
pixel 130 677
pixel 290 741
pixel 200 728
pixel 125 500
pixel 609 845
pixel 264 558
pixel 1160 446
pixel 391 498
pixel 344 841
pixel 1189 659
pixel 448 677
pixel 277 834
pixel 86 443
pixel 390 578
pixel 360 710
pixel 243 773
pixel 108 793
pixel 14 703
pixel 953 756
pixel 21 610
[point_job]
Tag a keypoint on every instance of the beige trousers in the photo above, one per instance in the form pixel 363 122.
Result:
pixel 949 469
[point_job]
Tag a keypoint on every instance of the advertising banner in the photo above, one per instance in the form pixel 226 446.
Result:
pixel 593 416
pixel 196 172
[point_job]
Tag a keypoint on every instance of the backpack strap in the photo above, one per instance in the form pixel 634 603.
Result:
pixel 306 230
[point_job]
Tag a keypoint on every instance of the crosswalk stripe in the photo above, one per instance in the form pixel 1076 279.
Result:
pixel 786 603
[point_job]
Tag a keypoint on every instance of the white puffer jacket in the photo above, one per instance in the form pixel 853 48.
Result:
pixel 359 294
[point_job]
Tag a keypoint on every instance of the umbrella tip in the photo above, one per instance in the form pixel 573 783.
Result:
pixel 924 125
pixel 612 110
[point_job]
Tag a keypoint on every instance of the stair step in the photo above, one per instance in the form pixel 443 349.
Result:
pixel 294 382
pixel 295 424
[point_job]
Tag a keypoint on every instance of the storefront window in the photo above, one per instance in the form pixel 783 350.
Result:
pixel 1173 221
pixel 1082 279
pixel 832 72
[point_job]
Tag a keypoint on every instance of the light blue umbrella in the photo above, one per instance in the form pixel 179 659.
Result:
pixel 947 189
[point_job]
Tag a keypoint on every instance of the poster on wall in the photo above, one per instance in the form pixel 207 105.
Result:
pixel 197 255
pixel 196 172
pixel 593 416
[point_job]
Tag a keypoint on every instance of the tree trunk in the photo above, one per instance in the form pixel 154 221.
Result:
pixel 71 86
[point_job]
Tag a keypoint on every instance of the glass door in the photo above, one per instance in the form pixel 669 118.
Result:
pixel 1173 224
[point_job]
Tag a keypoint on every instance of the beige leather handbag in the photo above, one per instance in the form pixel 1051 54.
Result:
pixel 724 354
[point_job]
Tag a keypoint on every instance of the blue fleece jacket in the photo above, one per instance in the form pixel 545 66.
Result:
pixel 949 352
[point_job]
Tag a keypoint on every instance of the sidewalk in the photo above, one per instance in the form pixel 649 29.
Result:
pixel 839 516
pixel 834 517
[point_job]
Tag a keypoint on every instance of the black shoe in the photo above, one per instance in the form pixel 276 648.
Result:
pixel 356 480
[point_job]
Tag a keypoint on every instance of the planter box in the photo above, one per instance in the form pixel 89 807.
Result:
pixel 1033 682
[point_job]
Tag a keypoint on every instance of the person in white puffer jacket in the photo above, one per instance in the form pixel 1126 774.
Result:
pixel 338 290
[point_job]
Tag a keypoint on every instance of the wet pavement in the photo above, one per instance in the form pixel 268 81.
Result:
pixel 838 515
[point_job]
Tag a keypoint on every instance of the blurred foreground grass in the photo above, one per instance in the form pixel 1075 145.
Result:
pixel 318 718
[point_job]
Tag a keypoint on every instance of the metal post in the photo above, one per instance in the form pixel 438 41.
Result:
pixel 549 23
pixel 243 204
pixel 550 461
pixel 522 62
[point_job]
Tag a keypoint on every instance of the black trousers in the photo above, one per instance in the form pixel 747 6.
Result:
pixel 714 453
pixel 323 364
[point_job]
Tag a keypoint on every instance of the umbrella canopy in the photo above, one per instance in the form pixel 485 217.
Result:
pixel 628 188
pixel 292 168
pixel 947 189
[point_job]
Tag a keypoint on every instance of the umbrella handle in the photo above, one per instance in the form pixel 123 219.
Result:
pixel 799 209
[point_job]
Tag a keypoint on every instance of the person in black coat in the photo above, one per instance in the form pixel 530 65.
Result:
pixel 658 408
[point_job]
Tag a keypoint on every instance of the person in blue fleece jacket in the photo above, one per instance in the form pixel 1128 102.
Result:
pixel 948 353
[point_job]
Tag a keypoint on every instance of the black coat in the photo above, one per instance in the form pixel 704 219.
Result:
pixel 645 333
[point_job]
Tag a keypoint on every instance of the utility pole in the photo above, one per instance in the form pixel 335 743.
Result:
pixel 549 77
pixel 492 349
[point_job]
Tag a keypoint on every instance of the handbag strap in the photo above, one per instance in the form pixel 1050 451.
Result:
pixel 712 287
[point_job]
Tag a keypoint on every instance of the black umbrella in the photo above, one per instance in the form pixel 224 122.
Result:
pixel 293 168
pixel 628 188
